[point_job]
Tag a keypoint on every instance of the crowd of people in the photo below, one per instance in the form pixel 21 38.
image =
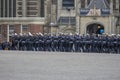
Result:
pixel 65 43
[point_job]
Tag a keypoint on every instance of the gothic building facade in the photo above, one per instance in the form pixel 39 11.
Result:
pixel 86 16
pixel 53 16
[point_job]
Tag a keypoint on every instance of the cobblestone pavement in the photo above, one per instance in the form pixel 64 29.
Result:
pixel 23 65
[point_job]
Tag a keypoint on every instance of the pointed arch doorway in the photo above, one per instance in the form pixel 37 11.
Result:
pixel 95 28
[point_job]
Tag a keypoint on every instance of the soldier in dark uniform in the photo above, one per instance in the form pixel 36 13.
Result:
pixel 27 43
pixel 0 46
pixel 87 43
pixel 36 45
pixel 40 42
pixel 3 46
pixel 100 44
pixel 76 43
pixel 71 42
pixel 83 43
pixel 40 48
pixel 55 43
pixel 115 42
pixel 30 43
pixel 6 45
pixel 110 44
pixel 94 44
pixel 104 44
pixel 23 46
pixel 15 39
pixel 62 43
pixel 66 43
pixel 119 44
pixel 48 43
pixel 13 43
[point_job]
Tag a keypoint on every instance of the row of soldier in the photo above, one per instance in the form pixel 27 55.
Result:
pixel 66 43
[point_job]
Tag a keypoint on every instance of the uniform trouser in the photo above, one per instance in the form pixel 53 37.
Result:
pixel 55 47
pixel 87 48
pixel 119 49
pixel 40 48
pixel 16 47
pixel 83 47
pixel 27 47
pixel 70 49
pixel 76 47
pixel 31 47
pixel 48 47
pixel 116 49
pixel 99 48
pixel 104 48
pixel 36 48
pixel 62 47
pixel 111 49
pixel 23 47
pixel 13 47
pixel 94 48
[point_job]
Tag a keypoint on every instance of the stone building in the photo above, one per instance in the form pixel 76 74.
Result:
pixel 53 16
pixel 87 16
pixel 21 16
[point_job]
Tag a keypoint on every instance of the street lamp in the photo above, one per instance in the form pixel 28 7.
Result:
pixel 52 25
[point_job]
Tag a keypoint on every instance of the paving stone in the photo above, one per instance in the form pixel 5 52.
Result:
pixel 30 65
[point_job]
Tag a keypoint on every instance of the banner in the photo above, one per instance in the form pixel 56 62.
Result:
pixel 105 12
pixel 95 12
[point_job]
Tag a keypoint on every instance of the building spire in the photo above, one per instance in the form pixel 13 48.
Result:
pixel 94 7
pixel 94 3
pixel 99 4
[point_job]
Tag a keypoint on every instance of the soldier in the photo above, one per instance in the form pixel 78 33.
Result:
pixel 76 42
pixel 40 48
pixel 62 43
pixel 71 42
pixel 15 42
pixel 0 46
pixel 110 43
pixel 55 43
pixel 118 43
pixel 104 43
pixel 23 47
pixel 115 42
pixel 6 45
pixel 48 43
pixel 100 44
pixel 87 43
pixel 83 43
pixel 36 45
pixel 94 44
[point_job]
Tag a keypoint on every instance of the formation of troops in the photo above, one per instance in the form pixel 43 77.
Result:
pixel 65 43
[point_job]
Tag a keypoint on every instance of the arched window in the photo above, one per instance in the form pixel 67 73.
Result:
pixel 114 4
pixel 11 29
pixel 0 30
pixel 82 3
pixel 25 28
pixel 42 8
pixel 68 3
pixel 88 2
